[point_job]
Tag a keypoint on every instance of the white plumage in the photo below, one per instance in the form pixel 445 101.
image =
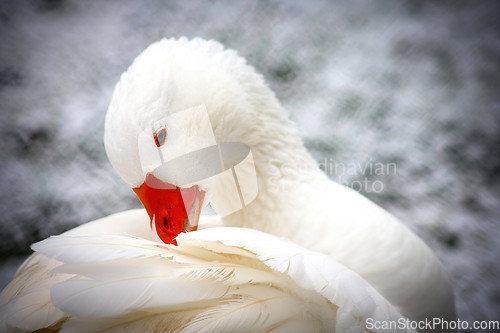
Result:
pixel 217 279
pixel 350 259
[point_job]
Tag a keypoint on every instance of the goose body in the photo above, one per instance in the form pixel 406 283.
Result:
pixel 305 255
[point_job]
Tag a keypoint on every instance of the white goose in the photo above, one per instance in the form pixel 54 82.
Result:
pixel 351 264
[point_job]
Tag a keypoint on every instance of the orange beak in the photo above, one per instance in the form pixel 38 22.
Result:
pixel 173 209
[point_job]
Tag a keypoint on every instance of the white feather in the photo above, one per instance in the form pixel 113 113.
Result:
pixel 236 292
pixel 311 270
pixel 25 302
pixel 93 298
pixel 96 248
pixel 236 278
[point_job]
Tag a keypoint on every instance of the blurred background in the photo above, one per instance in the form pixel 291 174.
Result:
pixel 413 84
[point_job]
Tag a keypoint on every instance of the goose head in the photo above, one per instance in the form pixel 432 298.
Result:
pixel 168 112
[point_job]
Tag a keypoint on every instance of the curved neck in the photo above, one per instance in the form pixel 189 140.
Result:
pixel 285 171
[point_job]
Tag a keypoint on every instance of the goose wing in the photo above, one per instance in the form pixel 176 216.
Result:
pixel 216 280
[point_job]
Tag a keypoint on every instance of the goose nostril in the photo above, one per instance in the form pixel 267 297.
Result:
pixel 165 222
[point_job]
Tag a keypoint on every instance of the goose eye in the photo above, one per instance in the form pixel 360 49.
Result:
pixel 161 137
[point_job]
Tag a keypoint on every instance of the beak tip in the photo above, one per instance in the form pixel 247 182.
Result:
pixel 172 209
